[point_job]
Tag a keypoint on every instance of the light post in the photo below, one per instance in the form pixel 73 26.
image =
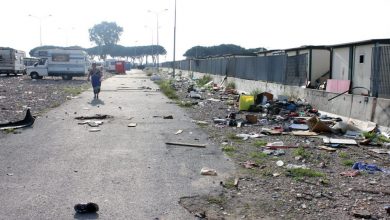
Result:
pixel 174 44
pixel 40 18
pixel 157 27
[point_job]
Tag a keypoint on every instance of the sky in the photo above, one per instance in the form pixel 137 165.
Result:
pixel 273 24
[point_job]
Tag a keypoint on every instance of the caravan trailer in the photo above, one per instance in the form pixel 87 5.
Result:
pixel 11 61
pixel 59 62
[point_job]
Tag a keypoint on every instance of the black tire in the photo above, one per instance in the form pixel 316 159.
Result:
pixel 34 75
pixel 66 77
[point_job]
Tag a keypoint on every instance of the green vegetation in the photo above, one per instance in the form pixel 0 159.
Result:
pixel 74 90
pixel 300 151
pixel 382 138
pixel 260 143
pixel 229 148
pixel 233 136
pixel 166 88
pixel 347 163
pixel 229 183
pixel 185 104
pixel 205 79
pixel 216 200
pixel 231 85
pixel 301 172
pixel 343 155
pixel 258 155
pixel 369 135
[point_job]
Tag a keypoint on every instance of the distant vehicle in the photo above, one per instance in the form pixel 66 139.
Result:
pixel 109 65
pixel 11 61
pixel 59 62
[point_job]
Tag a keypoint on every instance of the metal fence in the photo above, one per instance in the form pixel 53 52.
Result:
pixel 283 69
pixel 380 78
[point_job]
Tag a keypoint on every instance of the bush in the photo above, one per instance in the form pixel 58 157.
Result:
pixel 205 79
pixel 231 85
pixel 166 88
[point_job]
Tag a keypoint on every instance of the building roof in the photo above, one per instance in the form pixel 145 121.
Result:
pixel 364 42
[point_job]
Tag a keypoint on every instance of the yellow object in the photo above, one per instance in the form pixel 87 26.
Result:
pixel 246 101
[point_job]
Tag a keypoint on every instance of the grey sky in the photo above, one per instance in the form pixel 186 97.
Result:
pixel 275 24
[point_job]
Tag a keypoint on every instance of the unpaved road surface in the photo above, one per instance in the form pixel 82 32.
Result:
pixel 129 172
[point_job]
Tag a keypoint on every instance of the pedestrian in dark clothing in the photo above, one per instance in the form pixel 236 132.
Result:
pixel 96 76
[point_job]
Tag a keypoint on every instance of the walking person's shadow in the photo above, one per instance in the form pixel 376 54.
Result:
pixel 95 102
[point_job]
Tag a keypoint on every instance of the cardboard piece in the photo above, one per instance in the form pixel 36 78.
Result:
pixel 304 133
pixel 316 125
pixel 339 141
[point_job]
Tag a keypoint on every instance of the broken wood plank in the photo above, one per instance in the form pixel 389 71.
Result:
pixel 186 144
pixel 304 133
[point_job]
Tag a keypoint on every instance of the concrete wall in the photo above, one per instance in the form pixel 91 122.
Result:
pixel 340 60
pixel 320 64
pixel 361 75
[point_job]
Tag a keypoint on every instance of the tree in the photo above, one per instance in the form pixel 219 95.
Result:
pixel 223 49
pixel 105 35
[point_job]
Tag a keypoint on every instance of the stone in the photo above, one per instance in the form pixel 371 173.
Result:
pixel 361 214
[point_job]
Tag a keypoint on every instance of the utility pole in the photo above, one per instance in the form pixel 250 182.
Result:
pixel 174 43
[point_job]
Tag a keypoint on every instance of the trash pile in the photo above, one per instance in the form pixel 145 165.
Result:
pixel 289 148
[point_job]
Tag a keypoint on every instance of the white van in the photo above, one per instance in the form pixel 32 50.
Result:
pixel 59 62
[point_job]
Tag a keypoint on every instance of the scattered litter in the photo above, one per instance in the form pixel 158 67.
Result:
pixel 353 134
pixel 97 116
pixel 179 132
pixel 213 100
pixel 236 181
pixel 168 117
pixel 251 119
pixel 351 173
pixel 245 102
pixel 316 125
pixel 366 167
pixel 326 148
pixel 339 141
pixel 279 163
pixel 132 125
pixel 304 133
pixel 249 164
pixel 276 174
pixel 277 143
pixel 293 166
pixel 195 95
pixel 94 130
pixel 299 127
pixel 85 108
pixel 186 144
pixel 200 122
pixel 86 208
pixel 380 150
pixel 208 172
pixel 26 122
pixel 10 174
pixel 251 135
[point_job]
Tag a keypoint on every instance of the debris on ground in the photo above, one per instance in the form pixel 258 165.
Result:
pixel 83 208
pixel 26 122
pixel 132 125
pixel 208 172
pixel 186 144
pixel 96 116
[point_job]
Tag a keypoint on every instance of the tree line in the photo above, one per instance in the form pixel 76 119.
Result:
pixel 219 50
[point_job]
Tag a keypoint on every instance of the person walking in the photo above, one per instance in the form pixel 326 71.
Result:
pixel 96 76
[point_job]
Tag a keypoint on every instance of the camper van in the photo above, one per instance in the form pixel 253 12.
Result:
pixel 11 61
pixel 109 65
pixel 59 62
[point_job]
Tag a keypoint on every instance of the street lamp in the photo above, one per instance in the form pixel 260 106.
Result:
pixel 157 13
pixel 174 44
pixel 40 18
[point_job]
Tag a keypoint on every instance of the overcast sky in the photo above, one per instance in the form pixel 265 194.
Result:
pixel 273 24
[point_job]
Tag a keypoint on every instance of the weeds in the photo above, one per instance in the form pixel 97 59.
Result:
pixel 260 143
pixel 73 90
pixel 216 200
pixel 9 130
pixel 166 88
pixel 369 135
pixel 347 163
pixel 229 183
pixel 185 104
pixel 382 138
pixel 343 155
pixel 300 151
pixel 231 85
pixel 301 172
pixel 258 155
pixel 205 79
pixel 233 136
pixel 229 148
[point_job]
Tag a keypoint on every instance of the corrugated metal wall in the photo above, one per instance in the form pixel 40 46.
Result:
pixel 380 78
